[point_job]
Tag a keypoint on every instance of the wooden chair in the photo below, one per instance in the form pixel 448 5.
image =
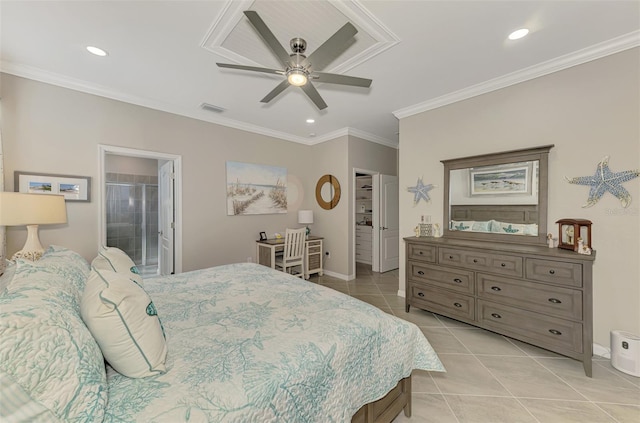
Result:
pixel 293 254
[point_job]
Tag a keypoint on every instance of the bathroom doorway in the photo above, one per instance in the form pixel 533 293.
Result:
pixel 140 208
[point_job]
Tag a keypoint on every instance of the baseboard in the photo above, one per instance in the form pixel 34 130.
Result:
pixel 336 275
pixel 601 351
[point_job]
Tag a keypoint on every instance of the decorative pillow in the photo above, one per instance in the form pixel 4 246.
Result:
pixel 116 260
pixel 469 225
pixel 7 276
pixel 50 365
pixel 124 321
pixel 459 225
pixel 514 228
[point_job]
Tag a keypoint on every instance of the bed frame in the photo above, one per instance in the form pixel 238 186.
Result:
pixel 387 408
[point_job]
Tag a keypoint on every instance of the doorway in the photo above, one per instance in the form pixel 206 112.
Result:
pixel 140 208
pixel 376 222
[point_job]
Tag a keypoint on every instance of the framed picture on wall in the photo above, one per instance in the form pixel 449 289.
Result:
pixel 73 187
pixel 501 180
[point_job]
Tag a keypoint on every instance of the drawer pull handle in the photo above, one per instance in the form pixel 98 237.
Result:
pixel 496 288
pixel 552 272
pixel 503 265
pixel 420 294
pixel 450 257
pixel 420 252
pixel 420 272
pixel 475 260
pixel 496 315
pixel 457 280
pixel 555 332
pixel 457 305
pixel 555 301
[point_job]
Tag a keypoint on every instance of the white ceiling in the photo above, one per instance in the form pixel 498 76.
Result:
pixel 420 54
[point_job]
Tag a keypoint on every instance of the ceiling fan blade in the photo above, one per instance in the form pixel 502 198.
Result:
pixel 268 36
pixel 331 48
pixel 313 94
pixel 333 78
pixel 250 68
pixel 277 90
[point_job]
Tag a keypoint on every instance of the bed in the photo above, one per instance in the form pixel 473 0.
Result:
pixel 244 343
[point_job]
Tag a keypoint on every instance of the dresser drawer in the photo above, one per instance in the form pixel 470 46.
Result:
pixel 314 247
pixel 476 260
pixel 444 302
pixel 421 252
pixel 558 272
pixel 457 280
pixel 545 331
pixel 536 297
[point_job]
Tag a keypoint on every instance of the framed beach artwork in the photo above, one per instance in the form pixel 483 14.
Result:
pixel 256 189
pixel 501 180
pixel 74 188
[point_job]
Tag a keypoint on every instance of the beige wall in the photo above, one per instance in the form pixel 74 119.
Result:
pixel 130 165
pixel 50 129
pixel 588 112
pixel 377 158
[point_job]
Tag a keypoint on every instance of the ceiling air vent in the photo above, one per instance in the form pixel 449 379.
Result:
pixel 212 108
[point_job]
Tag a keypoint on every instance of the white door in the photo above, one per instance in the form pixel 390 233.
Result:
pixel 166 217
pixel 389 225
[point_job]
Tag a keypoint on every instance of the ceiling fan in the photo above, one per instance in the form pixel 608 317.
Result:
pixel 299 69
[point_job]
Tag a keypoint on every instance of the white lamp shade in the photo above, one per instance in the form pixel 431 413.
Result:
pixel 305 216
pixel 18 209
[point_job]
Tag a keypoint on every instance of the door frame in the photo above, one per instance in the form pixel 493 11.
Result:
pixel 103 150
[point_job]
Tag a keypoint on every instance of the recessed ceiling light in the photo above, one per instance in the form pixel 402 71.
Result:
pixel 515 35
pixel 311 120
pixel 97 51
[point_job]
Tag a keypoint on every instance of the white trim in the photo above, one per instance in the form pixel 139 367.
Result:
pixel 575 58
pixel 337 275
pixel 40 75
pixel 177 167
pixel 601 351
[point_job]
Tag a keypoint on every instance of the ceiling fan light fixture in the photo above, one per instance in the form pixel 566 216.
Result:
pixel 297 78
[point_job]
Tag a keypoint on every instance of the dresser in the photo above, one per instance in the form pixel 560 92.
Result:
pixel 538 295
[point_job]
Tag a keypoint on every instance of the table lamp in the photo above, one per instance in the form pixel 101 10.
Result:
pixel 305 217
pixel 31 210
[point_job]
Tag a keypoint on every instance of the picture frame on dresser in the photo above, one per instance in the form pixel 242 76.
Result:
pixel 513 285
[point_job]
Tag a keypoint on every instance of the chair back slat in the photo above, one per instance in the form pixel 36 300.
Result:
pixel 294 243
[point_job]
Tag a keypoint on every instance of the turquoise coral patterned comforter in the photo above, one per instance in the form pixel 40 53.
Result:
pixel 249 344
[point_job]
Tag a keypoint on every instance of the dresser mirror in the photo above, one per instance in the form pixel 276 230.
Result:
pixel 498 197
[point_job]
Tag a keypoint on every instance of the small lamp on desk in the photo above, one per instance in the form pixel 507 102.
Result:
pixel 305 217
pixel 31 210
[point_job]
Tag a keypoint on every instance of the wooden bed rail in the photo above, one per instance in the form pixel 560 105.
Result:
pixel 387 408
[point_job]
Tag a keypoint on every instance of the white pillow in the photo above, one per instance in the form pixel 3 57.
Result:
pixel 112 258
pixel 125 323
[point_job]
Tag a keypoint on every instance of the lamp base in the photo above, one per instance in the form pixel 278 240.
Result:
pixel 32 249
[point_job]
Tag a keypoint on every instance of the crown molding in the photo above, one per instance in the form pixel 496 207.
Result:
pixel 46 77
pixel 578 57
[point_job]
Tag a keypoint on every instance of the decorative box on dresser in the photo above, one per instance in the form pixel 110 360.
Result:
pixel 538 295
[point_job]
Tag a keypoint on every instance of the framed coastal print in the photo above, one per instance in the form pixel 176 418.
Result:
pixel 256 189
pixel 501 180
pixel 73 187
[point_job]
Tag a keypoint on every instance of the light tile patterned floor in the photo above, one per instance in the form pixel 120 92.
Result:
pixel 494 379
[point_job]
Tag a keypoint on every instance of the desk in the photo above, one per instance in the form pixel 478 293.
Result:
pixel 266 254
